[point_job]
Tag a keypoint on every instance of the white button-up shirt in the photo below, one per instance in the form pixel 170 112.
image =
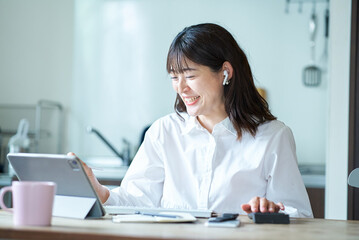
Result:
pixel 181 165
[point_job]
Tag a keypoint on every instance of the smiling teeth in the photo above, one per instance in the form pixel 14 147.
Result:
pixel 191 100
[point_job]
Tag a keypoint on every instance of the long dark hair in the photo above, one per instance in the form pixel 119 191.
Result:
pixel 211 45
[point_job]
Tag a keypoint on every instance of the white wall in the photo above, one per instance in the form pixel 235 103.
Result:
pixel 36 55
pixel 336 191
pixel 36 47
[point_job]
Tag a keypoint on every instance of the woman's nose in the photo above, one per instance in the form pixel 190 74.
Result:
pixel 182 85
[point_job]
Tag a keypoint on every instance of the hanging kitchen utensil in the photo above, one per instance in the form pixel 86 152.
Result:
pixel 312 73
pixel 324 57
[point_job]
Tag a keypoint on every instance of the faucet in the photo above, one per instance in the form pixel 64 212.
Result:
pixel 125 156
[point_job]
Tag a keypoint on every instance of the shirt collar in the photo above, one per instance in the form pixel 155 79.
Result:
pixel 192 124
pixel 227 124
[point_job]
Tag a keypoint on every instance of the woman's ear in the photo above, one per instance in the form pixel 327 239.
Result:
pixel 227 66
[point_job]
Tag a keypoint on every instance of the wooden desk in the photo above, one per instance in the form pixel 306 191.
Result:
pixel 102 229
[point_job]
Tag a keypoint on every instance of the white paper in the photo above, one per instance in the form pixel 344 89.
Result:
pixel 230 224
pixel 182 217
pixel 133 209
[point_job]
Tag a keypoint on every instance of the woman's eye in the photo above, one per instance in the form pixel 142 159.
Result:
pixel 190 77
pixel 174 78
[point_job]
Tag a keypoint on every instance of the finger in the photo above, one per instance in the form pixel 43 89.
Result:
pixel 278 206
pixel 87 169
pixel 272 207
pixel 281 206
pixel 83 163
pixel 246 207
pixel 264 205
pixel 73 154
pixel 254 202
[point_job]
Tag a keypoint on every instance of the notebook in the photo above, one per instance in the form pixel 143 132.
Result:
pixel 133 209
pixel 161 217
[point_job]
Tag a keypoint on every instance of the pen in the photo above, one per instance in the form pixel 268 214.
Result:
pixel 158 215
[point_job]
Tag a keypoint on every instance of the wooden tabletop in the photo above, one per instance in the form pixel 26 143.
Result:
pixel 65 228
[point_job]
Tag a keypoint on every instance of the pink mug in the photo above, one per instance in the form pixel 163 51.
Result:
pixel 32 202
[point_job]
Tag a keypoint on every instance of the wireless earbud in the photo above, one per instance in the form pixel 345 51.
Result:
pixel 225 81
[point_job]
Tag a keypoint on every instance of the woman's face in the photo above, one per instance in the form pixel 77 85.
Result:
pixel 201 90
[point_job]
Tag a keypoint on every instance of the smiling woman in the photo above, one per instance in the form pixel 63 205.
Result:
pixel 215 80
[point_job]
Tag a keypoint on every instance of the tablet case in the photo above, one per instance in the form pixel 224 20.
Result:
pixel 75 196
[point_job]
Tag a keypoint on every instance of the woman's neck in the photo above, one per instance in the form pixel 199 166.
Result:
pixel 208 122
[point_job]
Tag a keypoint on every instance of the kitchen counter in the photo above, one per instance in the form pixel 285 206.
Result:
pixel 314 180
pixel 108 170
pixel 313 175
pixel 111 174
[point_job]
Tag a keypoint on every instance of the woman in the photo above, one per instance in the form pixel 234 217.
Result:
pixel 222 150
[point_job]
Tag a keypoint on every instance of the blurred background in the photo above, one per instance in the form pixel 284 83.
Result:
pixel 69 65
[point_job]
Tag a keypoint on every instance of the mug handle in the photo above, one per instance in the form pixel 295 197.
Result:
pixel 2 193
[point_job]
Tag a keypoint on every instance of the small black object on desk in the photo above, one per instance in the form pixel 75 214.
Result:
pixel 225 217
pixel 277 218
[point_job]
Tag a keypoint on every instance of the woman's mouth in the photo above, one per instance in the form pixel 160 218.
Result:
pixel 190 100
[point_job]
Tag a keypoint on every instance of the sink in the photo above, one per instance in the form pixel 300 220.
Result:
pixel 114 173
pixel 107 168
pixel 103 162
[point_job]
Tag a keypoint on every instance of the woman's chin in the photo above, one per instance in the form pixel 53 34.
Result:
pixel 192 113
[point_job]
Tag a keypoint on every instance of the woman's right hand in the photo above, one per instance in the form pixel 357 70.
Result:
pixel 101 190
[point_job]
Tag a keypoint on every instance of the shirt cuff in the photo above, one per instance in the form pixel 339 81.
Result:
pixel 111 200
pixel 294 213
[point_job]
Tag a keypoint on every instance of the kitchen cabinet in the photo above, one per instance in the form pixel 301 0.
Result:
pixel 314 181
pixel 317 201
pixel 5 180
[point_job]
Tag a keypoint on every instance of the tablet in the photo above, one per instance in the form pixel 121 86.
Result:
pixel 66 171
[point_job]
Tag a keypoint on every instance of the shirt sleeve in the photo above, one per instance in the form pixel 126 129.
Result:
pixel 143 182
pixel 285 183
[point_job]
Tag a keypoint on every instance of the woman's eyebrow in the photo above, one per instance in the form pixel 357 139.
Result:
pixel 189 69
pixel 183 70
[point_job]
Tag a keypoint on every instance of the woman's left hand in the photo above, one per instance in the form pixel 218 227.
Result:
pixel 258 204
